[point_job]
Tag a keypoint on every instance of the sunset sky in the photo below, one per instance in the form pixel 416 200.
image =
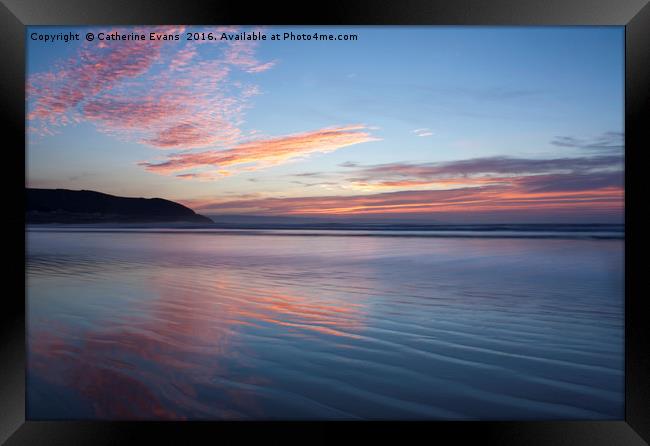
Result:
pixel 453 124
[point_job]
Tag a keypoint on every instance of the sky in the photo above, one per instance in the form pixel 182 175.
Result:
pixel 445 124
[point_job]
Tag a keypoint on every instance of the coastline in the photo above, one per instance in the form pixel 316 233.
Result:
pixel 587 231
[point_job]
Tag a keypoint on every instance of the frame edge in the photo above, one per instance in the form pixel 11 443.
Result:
pixel 12 315
pixel 637 135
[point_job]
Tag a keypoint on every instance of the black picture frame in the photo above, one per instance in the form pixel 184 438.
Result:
pixel 15 15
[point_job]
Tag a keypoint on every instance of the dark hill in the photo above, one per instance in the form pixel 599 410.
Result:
pixel 86 206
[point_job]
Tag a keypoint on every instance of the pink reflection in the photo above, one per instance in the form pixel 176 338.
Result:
pixel 184 354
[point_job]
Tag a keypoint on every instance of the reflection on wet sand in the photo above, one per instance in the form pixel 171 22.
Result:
pixel 160 358
pixel 213 326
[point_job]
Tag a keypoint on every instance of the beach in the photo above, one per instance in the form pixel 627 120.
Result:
pixel 191 324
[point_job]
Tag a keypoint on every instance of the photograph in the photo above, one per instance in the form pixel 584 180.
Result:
pixel 309 223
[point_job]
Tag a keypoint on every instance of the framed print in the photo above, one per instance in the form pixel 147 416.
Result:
pixel 383 220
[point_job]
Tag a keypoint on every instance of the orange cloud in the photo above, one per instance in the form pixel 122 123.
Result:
pixel 263 153
pixel 505 186
pixel 480 199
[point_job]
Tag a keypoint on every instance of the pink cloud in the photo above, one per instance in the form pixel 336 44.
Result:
pixel 488 170
pixel 96 68
pixel 241 53
pixel 496 186
pixel 182 58
pixel 261 67
pixel 262 153
pixel 128 113
pixel 470 200
pixel 159 93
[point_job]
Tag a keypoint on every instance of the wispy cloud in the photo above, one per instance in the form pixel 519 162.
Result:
pixel 262 153
pixel 476 171
pixel 423 132
pixel 480 185
pixel 162 94
pixel 466 200
pixel 608 141
pixel 242 53
pixel 95 68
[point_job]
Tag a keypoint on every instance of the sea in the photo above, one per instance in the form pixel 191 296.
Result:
pixel 469 322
